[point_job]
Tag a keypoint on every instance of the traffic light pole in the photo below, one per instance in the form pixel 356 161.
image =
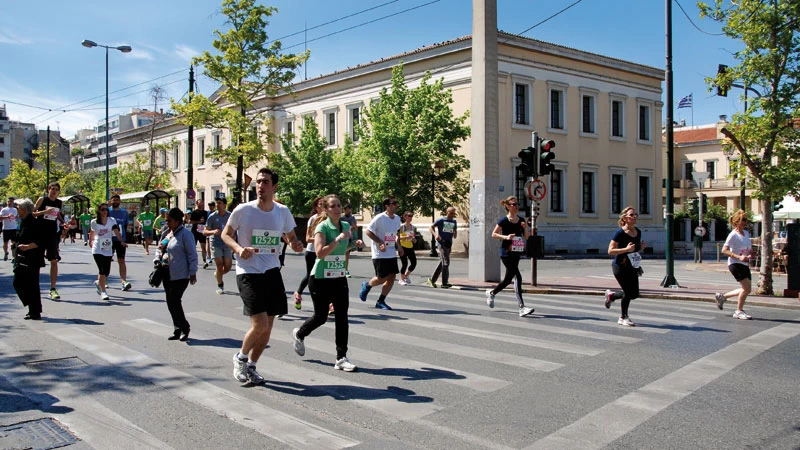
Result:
pixel 534 206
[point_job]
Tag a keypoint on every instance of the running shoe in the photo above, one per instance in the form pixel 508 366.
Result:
pixel 720 299
pixel 609 300
pixel 220 291
pixel 205 264
pixel 97 287
pixel 402 283
pixel 298 305
pixel 525 311
pixel 347 274
pixel 299 346
pixel 345 364
pixel 54 294
pixel 252 375
pixel 126 286
pixel 408 280
pixel 489 298
pixel 742 315
pixel 446 285
pixel 330 309
pixel 382 305
pixel 239 368
pixel 364 291
pixel 5 258
pixel 104 296
pixel 626 322
pixel 430 283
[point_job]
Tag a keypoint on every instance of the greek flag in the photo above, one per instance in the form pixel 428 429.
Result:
pixel 685 102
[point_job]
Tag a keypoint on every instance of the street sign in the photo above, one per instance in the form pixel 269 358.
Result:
pixel 700 231
pixel 191 194
pixel 535 190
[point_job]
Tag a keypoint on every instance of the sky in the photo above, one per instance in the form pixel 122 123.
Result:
pixel 44 67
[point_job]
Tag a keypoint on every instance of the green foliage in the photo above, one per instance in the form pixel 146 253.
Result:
pixel 246 65
pixel 409 140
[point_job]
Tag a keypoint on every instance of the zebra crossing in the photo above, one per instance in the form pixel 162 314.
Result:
pixel 434 351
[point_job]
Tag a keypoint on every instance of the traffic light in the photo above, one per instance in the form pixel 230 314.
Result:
pixel 705 203
pixel 722 91
pixel 546 155
pixel 691 206
pixel 528 157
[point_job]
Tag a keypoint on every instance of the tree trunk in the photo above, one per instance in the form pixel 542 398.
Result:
pixel 765 271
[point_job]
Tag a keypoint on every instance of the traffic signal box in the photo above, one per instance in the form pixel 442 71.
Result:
pixel 528 157
pixel 546 156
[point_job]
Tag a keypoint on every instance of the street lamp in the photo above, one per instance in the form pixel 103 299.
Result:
pixel 124 49
pixel 434 167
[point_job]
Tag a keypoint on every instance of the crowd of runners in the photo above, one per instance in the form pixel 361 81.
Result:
pixel 257 234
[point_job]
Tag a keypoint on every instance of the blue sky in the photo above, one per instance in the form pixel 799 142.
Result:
pixel 42 63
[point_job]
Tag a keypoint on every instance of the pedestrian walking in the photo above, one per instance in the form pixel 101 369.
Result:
pixel 101 230
pixel 625 247
pixel 444 230
pixel 9 216
pixel 178 251
pixel 328 284
pixel 513 231
pixel 223 256
pixel 408 237
pixel 254 233
pixel 310 255
pixel 48 211
pixel 698 247
pixel 198 218
pixel 383 233
pixel 31 242
pixel 739 250
pixel 122 217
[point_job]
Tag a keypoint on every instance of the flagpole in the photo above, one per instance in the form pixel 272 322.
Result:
pixel 692 97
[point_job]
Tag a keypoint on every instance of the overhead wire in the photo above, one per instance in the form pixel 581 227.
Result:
pixel 692 22
pixel 334 21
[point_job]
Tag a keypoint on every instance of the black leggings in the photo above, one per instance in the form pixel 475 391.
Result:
pixel 174 290
pixel 103 264
pixel 408 255
pixel 323 293
pixel 512 274
pixel 628 280
pixel 311 257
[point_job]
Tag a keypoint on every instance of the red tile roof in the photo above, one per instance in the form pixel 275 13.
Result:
pixel 693 135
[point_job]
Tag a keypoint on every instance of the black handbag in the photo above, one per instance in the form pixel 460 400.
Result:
pixel 160 273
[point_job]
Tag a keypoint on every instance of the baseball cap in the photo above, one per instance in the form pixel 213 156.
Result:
pixel 162 210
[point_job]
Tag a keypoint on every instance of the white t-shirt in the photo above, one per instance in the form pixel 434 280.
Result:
pixel 386 229
pixel 10 223
pixel 102 236
pixel 310 245
pixel 262 231
pixel 740 245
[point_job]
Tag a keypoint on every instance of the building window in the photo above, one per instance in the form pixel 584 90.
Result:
pixel 617 118
pixel 688 168
pixel 521 104
pixel 330 128
pixel 186 159
pixel 162 158
pixel 616 193
pixel 201 151
pixel 711 168
pixel 353 122
pixel 556 191
pixel 557 109
pixel 588 114
pixel 519 192
pixel 2 140
pixel 216 142
pixel 644 123
pixel 587 192
pixel 644 195
pixel 2 154
pixel 175 153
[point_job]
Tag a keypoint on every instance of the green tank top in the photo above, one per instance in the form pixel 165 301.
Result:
pixel 333 265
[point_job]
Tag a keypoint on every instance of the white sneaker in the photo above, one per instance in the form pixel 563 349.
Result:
pixel 742 315
pixel 252 375
pixel 345 364
pixel 489 298
pixel 608 298
pixel 220 291
pixel 720 299
pixel 97 287
pixel 408 280
pixel 103 296
pixel 525 310
pixel 239 368
pixel 299 346
pixel 626 322
pixel 402 282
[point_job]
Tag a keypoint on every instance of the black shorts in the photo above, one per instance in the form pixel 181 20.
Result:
pixel 199 237
pixel 103 264
pixel 9 235
pixel 263 292
pixel 385 267
pixel 740 271
pixel 51 248
pixel 119 249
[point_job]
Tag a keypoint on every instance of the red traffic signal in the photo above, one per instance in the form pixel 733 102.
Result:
pixel 546 155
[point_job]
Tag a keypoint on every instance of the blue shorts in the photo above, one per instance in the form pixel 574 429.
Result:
pixel 147 234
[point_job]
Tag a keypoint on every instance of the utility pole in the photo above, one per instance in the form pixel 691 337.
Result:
pixel 669 279
pixel 534 206
pixel 190 148
pixel 48 156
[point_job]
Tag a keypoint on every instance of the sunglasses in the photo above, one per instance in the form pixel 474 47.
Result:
pixel 513 204
pixel 632 215
pixel 103 209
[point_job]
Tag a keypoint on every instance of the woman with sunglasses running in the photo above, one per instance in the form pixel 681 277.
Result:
pixel 513 231
pixel 739 249
pixel 625 247
pixel 101 230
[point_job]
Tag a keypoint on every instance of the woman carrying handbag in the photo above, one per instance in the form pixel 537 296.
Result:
pixel 177 250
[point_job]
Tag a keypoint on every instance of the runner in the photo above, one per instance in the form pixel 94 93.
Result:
pixel 739 250
pixel 86 223
pixel 310 255
pixel 123 218
pixel 48 211
pixel 160 222
pixel 445 230
pixel 198 219
pixel 102 229
pixel 408 237
pixel 73 228
pixel 513 231
pixel 9 216
pixel 223 257
pixel 625 247
pixel 383 233
pixel 259 224
pixel 328 284
pixel 351 219
pixel 145 222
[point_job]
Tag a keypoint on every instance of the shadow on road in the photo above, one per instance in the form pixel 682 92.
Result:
pixel 344 392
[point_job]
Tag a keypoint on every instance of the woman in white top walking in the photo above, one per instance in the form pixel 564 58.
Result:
pixel 739 250
pixel 101 229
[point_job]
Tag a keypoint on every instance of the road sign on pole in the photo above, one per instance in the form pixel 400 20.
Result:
pixel 535 190
pixel 191 194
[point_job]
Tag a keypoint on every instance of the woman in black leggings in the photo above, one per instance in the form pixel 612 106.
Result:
pixel 625 247
pixel 408 237
pixel 513 231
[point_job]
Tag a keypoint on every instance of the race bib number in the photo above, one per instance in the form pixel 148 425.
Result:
pixel 448 227
pixel 105 243
pixel 334 266
pixel 52 215
pixel 199 228
pixel 266 241
pixel 147 223
pixel 635 259
pixel 518 244
pixel 389 240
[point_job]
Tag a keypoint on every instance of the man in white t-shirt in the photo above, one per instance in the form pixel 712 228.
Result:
pixel 9 217
pixel 383 232
pixel 260 225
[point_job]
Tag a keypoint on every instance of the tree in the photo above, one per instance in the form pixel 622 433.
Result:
pixel 765 135
pixel 409 140
pixel 246 66
pixel 25 181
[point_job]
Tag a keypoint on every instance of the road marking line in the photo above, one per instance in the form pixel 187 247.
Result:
pixel 608 423
pixel 246 412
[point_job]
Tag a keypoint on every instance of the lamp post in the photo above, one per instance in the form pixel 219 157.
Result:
pixel 124 49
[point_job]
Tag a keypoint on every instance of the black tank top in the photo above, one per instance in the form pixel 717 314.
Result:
pixel 45 222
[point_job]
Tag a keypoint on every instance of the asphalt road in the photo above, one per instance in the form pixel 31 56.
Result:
pixel 441 370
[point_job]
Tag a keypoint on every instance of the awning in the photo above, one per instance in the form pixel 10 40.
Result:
pixel 77 198
pixel 145 195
